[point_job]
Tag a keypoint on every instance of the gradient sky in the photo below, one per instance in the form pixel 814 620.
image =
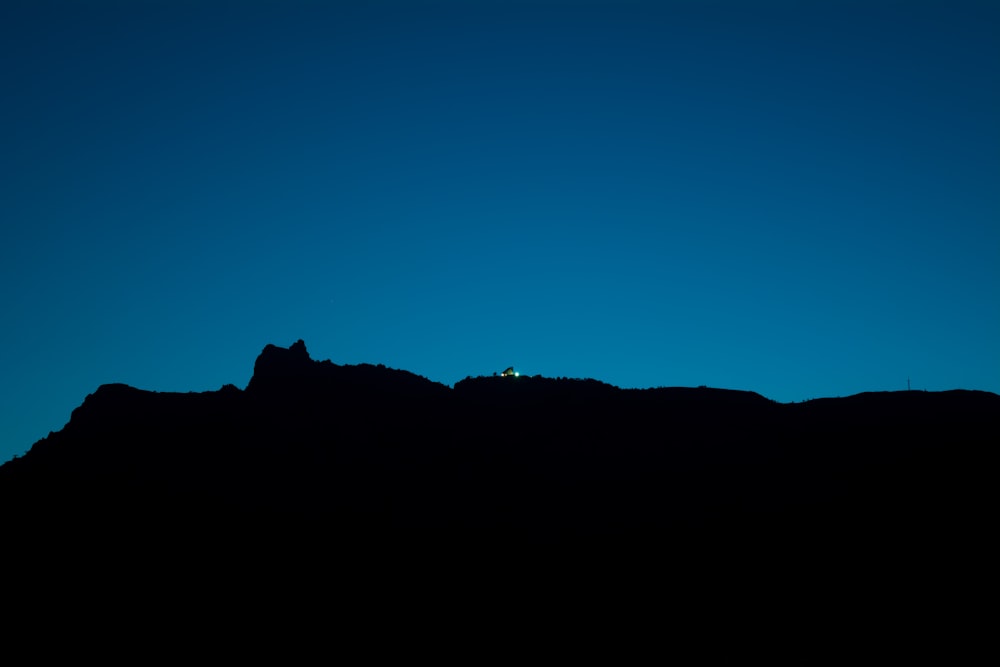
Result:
pixel 796 198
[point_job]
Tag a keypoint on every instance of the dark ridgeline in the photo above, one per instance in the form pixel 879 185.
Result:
pixel 318 467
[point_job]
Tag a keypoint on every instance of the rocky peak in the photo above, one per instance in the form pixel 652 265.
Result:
pixel 279 363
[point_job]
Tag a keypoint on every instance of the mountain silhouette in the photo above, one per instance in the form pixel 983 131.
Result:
pixel 317 467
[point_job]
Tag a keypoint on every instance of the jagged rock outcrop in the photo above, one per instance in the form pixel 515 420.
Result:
pixel 283 365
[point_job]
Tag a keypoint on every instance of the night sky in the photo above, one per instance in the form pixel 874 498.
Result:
pixel 800 199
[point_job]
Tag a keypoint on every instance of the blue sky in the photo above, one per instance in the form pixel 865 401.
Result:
pixel 799 199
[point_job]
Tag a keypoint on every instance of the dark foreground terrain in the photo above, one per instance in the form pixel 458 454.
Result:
pixel 364 478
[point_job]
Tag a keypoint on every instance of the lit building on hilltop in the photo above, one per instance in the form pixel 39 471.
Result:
pixel 510 372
